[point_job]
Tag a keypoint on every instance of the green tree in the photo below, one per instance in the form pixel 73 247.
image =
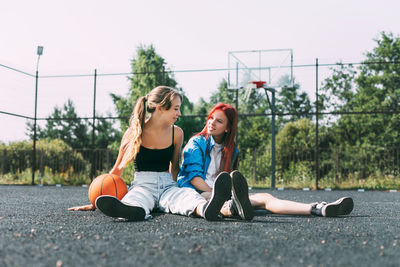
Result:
pixel 64 124
pixel 189 122
pixel 297 135
pixel 296 143
pixel 290 100
pixel 373 87
pixel 148 71
pixel 105 133
pixel 253 131
pixel 223 94
pixel 202 107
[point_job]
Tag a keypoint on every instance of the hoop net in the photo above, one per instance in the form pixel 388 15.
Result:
pixel 251 86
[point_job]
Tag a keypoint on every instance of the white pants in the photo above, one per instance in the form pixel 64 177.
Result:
pixel 151 190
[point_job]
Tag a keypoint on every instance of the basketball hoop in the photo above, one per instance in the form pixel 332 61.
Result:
pixel 258 84
pixel 253 85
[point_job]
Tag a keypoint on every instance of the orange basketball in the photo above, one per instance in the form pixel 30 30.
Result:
pixel 107 184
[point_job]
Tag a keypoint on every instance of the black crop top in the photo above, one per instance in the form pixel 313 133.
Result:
pixel 154 160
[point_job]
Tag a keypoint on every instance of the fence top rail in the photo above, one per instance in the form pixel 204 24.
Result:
pixel 17 70
pixel 373 112
pixel 202 70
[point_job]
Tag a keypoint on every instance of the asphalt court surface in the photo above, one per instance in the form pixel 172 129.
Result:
pixel 37 230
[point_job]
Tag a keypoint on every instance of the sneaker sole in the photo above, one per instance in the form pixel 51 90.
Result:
pixel 342 206
pixel 113 207
pixel 221 193
pixel 240 192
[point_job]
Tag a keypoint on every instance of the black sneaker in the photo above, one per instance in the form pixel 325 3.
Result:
pixel 220 193
pixel 240 196
pixel 113 207
pixel 342 206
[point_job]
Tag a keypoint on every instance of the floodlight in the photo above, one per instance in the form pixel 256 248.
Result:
pixel 39 50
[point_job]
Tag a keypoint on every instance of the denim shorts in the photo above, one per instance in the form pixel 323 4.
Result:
pixel 152 190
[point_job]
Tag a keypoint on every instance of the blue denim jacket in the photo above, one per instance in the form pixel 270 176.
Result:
pixel 196 160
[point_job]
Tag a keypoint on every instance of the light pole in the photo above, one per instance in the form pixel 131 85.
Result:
pixel 39 53
pixel 272 105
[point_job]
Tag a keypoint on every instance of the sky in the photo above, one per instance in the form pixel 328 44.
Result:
pixel 81 36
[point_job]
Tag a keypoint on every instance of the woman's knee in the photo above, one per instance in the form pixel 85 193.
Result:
pixel 261 196
pixel 261 200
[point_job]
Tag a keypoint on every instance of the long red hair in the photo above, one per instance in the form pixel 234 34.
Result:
pixel 229 138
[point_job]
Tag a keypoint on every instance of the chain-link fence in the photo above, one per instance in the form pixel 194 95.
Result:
pixel 319 163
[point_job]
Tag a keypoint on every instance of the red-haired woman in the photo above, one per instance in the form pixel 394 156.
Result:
pixel 212 153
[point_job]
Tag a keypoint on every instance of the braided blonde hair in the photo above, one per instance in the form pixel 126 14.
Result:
pixel 132 139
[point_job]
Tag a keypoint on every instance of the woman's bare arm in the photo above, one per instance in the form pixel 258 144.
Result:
pixel 174 165
pixel 200 184
pixel 115 170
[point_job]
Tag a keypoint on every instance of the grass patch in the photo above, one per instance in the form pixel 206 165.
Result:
pixel 293 179
pixel 48 177
pixel 373 182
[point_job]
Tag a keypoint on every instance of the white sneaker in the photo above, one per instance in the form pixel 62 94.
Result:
pixel 240 196
pixel 113 207
pixel 342 206
pixel 221 192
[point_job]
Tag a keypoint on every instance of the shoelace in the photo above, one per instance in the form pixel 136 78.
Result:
pixel 321 204
pixel 229 205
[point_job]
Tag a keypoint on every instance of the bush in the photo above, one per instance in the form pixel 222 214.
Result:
pixel 56 162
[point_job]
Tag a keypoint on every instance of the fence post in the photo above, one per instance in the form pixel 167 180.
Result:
pixel 316 127
pixel 338 172
pixel 163 75
pixel 255 163
pixel 42 163
pixel 92 170
pixel 107 159
pixel 273 147
pixel 3 162
pixel 39 53
pixel 397 161
pixel 34 130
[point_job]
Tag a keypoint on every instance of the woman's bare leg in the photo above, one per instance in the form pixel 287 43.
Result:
pixel 275 205
pixel 225 210
pixel 206 195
